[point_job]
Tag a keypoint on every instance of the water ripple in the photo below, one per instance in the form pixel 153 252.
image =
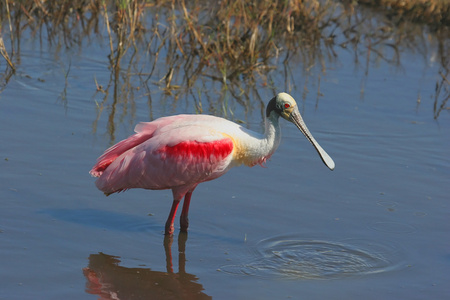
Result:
pixel 393 227
pixel 293 258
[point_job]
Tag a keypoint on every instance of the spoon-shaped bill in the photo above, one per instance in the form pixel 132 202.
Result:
pixel 297 119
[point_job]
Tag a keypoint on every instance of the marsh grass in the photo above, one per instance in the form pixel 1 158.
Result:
pixel 434 13
pixel 221 53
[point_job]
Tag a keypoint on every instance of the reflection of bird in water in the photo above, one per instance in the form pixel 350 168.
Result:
pixel 108 280
pixel 179 152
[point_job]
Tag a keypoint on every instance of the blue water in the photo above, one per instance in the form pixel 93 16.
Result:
pixel 256 233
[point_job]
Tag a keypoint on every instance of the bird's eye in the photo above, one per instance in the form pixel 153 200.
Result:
pixel 287 105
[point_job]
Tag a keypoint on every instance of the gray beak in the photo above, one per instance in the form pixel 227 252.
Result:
pixel 297 119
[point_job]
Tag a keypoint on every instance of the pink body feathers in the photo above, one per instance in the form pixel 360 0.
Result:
pixel 169 153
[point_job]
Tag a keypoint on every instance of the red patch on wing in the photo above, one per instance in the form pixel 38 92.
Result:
pixel 217 149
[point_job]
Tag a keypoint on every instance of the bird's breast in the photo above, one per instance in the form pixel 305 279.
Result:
pixel 249 152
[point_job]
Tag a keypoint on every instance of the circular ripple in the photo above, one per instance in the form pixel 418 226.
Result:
pixel 317 259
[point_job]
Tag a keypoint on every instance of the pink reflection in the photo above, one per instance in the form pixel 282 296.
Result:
pixel 110 281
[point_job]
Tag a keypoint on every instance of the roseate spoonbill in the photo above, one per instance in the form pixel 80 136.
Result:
pixel 179 152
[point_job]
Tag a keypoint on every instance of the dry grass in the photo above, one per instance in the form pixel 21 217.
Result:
pixel 434 13
pixel 229 48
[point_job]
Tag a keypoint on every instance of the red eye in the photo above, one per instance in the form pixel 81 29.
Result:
pixel 286 105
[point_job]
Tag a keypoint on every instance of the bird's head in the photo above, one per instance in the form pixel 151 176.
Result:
pixel 284 105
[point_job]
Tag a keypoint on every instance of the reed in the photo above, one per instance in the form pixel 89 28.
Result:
pixel 221 53
pixel 434 13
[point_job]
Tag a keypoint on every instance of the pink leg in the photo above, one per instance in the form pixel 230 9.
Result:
pixel 184 220
pixel 169 223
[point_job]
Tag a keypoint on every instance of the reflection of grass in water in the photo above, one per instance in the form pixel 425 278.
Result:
pixel 434 13
pixel 220 54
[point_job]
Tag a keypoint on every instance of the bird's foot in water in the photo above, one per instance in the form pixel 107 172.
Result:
pixel 169 229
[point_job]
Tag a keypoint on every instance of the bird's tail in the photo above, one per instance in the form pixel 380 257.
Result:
pixel 112 153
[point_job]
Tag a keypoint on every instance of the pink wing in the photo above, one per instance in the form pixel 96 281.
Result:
pixel 173 152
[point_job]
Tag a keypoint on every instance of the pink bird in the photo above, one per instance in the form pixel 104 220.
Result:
pixel 179 152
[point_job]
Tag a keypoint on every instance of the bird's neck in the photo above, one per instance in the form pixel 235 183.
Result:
pixel 272 134
pixel 260 148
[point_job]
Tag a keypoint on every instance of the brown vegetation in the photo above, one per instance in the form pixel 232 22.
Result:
pixel 230 47
pixel 435 13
